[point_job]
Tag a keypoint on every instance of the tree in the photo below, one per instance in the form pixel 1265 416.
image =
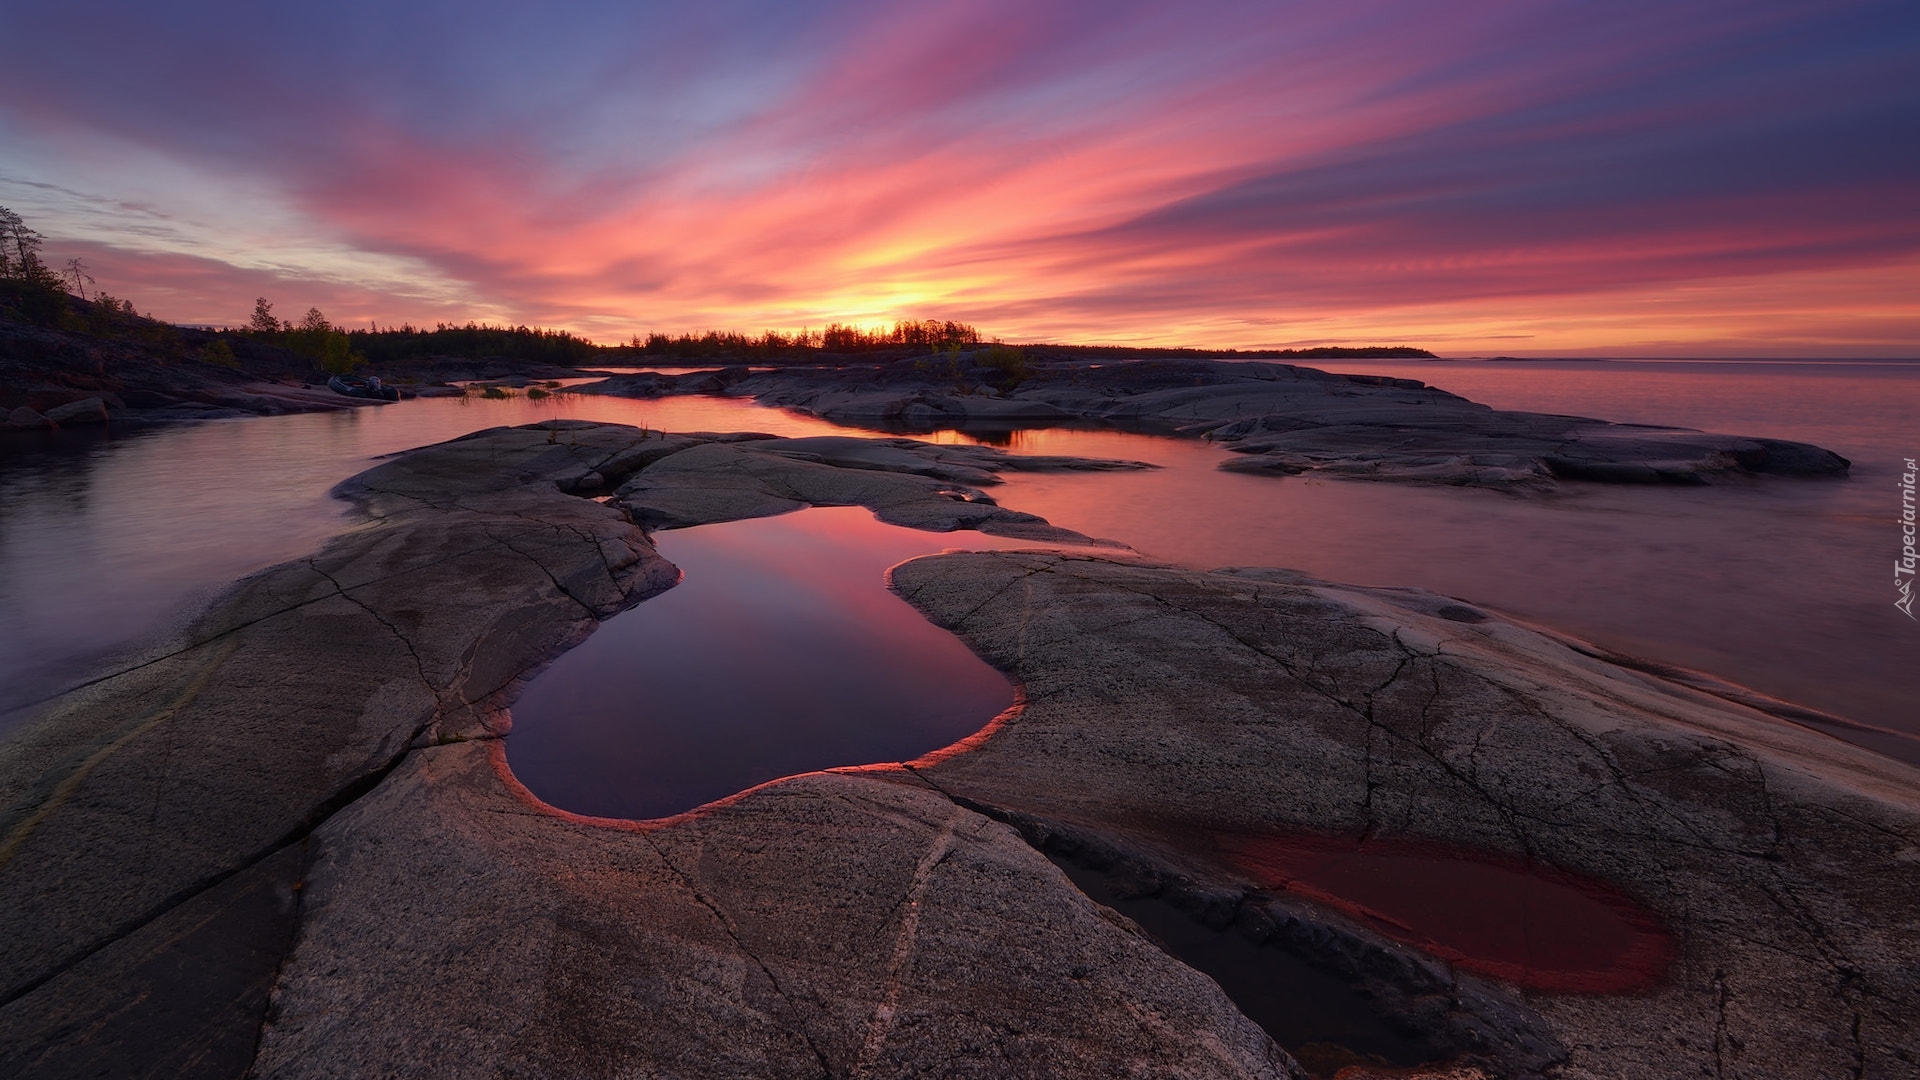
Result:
pixel 77 278
pixel 9 222
pixel 20 251
pixel 315 321
pixel 263 321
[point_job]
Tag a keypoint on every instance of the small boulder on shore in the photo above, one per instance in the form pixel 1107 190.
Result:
pixel 27 417
pixel 85 411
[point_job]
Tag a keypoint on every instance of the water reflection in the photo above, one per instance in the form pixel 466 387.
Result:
pixel 1781 586
pixel 108 541
pixel 780 652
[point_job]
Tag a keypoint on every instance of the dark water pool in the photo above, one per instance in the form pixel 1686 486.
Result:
pixel 1325 1021
pixel 1525 924
pixel 780 652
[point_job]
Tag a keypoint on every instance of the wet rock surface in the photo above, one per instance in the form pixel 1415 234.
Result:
pixel 291 845
pixel 1283 418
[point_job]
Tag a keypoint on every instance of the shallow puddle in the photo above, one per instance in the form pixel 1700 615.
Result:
pixel 781 651
pixel 1541 929
pixel 1327 1023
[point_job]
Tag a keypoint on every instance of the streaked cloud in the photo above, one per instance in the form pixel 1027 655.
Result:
pixel 1577 177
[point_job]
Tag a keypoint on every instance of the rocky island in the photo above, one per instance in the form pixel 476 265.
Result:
pixel 1279 418
pixel 294 847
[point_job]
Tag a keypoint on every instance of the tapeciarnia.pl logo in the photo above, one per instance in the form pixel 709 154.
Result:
pixel 1903 566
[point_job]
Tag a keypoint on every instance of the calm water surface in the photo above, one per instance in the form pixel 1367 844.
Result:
pixel 1782 585
pixel 778 653
pixel 108 543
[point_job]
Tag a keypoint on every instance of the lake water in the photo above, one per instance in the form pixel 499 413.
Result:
pixel 1787 586
pixel 108 543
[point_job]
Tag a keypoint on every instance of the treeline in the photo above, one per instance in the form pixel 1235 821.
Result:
pixel 313 337
pixel 33 292
pixel 1318 352
pixel 476 340
pixel 337 349
pixel 932 335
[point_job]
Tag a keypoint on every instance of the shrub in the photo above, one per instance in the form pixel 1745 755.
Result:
pixel 220 353
pixel 1012 364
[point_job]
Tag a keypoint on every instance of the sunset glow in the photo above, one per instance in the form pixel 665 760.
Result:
pixel 1702 178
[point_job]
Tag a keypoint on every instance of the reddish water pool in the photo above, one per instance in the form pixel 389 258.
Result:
pixel 1526 924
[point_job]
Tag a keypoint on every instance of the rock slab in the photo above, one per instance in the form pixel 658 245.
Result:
pixel 1283 419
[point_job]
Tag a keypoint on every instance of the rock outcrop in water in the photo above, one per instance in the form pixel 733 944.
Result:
pixel 291 846
pixel 918 485
pixel 1282 418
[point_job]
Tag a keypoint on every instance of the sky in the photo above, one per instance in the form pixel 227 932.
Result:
pixel 1479 177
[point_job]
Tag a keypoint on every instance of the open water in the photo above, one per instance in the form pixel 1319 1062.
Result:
pixel 108 543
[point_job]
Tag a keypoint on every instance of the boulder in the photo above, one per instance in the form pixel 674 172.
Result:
pixel 75 413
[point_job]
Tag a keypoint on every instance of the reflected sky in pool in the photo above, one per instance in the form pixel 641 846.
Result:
pixel 779 652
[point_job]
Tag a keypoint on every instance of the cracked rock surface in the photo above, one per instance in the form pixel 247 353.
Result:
pixel 136 804
pixel 305 797
pixel 1282 418
pixel 826 925
pixel 290 847
pixel 1165 704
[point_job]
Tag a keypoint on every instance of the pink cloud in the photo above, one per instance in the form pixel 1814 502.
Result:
pixel 1213 177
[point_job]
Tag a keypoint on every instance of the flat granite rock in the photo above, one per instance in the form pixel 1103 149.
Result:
pixel 291 847
pixel 902 481
pixel 136 797
pixel 1283 418
pixel 827 925
pixel 311 770
pixel 1168 708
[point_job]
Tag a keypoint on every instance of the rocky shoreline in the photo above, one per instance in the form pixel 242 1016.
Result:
pixel 160 375
pixel 1279 418
pixel 293 847
pixel 1276 418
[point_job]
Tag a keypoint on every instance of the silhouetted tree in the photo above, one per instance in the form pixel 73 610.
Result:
pixel 20 252
pixel 263 321
pixel 77 278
